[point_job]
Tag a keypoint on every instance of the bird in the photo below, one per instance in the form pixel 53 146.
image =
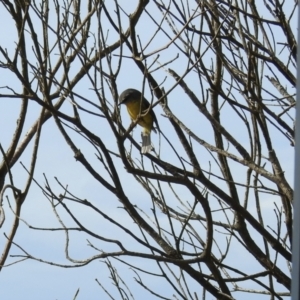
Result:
pixel 138 110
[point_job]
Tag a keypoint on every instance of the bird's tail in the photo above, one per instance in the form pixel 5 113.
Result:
pixel 146 142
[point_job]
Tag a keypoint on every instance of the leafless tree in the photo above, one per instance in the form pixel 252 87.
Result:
pixel 209 212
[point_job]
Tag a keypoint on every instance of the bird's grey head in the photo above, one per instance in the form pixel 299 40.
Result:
pixel 127 94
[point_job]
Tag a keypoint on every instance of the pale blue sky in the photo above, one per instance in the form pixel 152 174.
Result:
pixel 34 280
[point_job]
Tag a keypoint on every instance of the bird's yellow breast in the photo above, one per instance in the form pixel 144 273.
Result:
pixel 134 110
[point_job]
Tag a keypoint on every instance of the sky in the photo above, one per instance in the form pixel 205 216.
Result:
pixel 39 280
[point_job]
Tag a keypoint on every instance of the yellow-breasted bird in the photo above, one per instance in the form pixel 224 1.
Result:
pixel 138 109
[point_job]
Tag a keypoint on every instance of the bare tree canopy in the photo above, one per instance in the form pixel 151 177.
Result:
pixel 207 214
